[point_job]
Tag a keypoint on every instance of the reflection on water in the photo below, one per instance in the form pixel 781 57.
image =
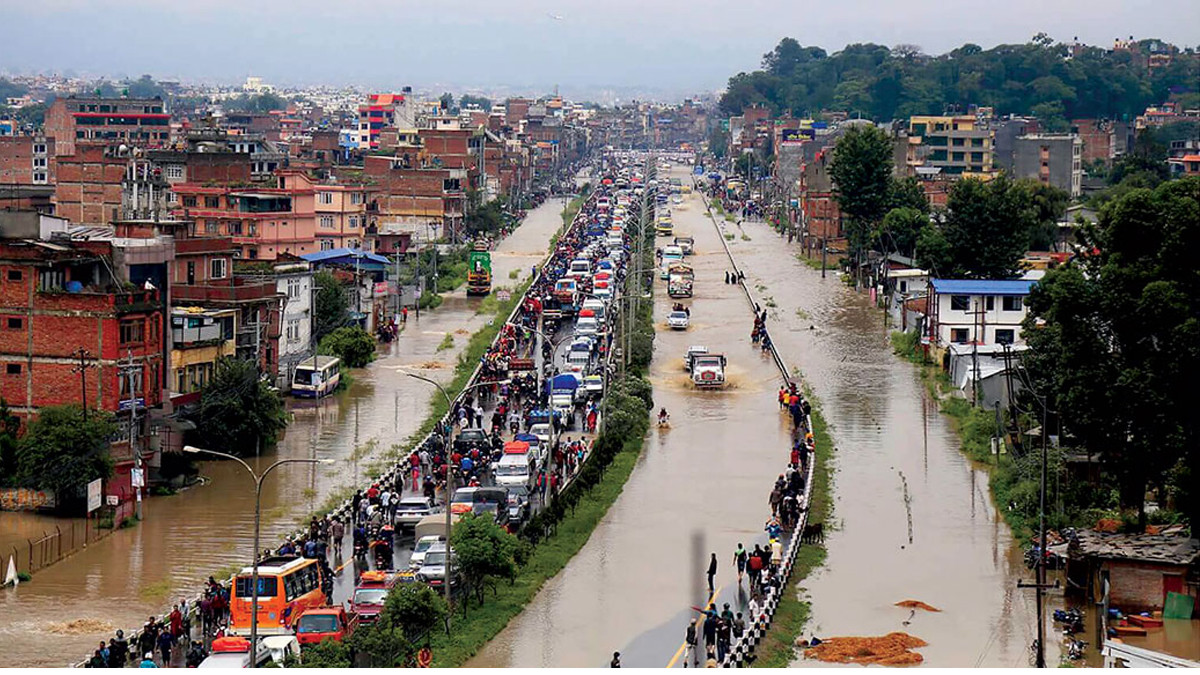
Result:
pixel 208 529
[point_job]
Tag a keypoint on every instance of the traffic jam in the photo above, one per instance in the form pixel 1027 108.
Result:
pixel 517 435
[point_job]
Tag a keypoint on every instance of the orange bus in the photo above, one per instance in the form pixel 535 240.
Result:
pixel 287 585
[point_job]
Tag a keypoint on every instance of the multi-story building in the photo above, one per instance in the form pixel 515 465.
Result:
pixel 958 144
pixel 72 333
pixel 27 160
pixel 341 212
pixel 426 202
pixel 142 122
pixel 88 187
pixel 381 111
pixel 199 338
pixel 263 222
pixel 981 312
pixel 1052 159
pixel 821 217
pixel 294 282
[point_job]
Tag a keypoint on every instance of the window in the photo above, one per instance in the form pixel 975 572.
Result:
pixel 39 177
pixel 957 142
pixel 327 222
pixel 174 171
pixel 958 335
pixel 39 148
pixel 123 382
pixel 356 197
pixel 133 331
pixel 990 302
pixel 39 162
pixel 961 303
pixel 12 369
pixel 976 142
pixel 267 587
pixel 353 221
pixel 1012 303
pixel 324 197
pixel 293 288
pixel 13 323
pixel 219 268
pixel 326 244
pixel 293 330
pixel 211 227
pixel 235 228
pixel 212 202
pixel 1004 336
pixel 14 275
pixel 189 202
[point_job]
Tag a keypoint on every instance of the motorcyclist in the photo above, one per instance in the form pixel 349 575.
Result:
pixel 663 416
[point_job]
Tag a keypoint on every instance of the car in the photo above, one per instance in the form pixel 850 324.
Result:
pixel 471 438
pixel 433 569
pixel 411 510
pixel 678 320
pixel 542 431
pixel 593 385
pixel 692 353
pixel 421 547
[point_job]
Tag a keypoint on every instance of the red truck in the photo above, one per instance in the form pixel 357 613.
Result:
pixel 324 623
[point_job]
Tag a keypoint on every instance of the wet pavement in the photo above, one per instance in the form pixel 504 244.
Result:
pixel 699 487
pixel 959 556
pixel 208 529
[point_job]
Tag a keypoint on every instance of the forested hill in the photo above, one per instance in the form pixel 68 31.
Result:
pixel 1041 78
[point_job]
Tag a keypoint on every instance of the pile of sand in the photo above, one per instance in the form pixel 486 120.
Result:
pixel 80 627
pixel 917 604
pixel 432 365
pixel 892 649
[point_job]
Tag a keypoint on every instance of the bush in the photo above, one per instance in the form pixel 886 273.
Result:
pixel 353 345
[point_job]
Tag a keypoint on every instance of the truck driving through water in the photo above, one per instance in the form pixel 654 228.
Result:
pixel 479 271
pixel 679 280
pixel 708 370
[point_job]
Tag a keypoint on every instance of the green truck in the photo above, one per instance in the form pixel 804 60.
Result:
pixel 479 271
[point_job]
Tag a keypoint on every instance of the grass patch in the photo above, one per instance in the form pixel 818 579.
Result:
pixel 777 648
pixel 728 236
pixel 550 556
pixel 745 237
pixel 800 313
pixel 514 274
pixel 815 262
pixel 446 343
pixel 729 218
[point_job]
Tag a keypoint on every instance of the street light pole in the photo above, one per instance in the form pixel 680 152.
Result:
pixel 258 483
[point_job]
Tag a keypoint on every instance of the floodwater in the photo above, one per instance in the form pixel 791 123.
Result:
pixel 699 487
pixel 912 516
pixel 208 530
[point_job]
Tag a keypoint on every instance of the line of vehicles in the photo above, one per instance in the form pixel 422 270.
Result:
pixel 295 593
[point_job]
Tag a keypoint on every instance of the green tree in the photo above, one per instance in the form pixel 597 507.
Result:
pixel 986 227
pixel 862 174
pixel 10 426
pixel 900 230
pixel 353 345
pixel 415 608
pixel 1114 343
pixel 62 451
pixel 331 309
pixel 239 412
pixel 482 551
pixel 469 100
pixel 145 87
pixel 446 102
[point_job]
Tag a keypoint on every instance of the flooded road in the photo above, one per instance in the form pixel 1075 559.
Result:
pixel 207 530
pixel 895 452
pixel 699 487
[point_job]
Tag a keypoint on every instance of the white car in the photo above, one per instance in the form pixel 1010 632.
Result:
pixel 542 431
pixel 678 320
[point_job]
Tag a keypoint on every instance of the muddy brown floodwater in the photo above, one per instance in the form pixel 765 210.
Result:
pixel 895 453
pixel 137 572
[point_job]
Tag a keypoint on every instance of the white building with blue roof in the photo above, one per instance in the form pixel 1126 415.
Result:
pixel 979 312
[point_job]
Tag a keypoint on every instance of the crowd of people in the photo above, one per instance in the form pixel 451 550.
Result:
pixel 160 641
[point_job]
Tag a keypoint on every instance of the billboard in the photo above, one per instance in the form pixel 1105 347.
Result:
pixel 795 135
pixel 93 494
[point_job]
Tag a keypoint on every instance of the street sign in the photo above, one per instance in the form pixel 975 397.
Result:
pixel 136 478
pixel 126 404
pixel 503 295
pixel 93 495
pixel 113 500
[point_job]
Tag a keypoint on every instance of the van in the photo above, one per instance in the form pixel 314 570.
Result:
pixel 587 324
pixel 515 470
pixel 578 361
pixel 596 307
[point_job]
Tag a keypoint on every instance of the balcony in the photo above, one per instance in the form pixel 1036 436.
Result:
pixel 236 290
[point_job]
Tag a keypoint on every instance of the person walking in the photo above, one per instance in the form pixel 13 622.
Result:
pixel 712 571
pixel 118 650
pixel 616 660
pixel 337 532
pixel 690 639
pixel 739 559
pixel 148 661
pixel 710 634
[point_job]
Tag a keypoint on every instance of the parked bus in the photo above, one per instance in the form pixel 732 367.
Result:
pixel 287 586
pixel 317 377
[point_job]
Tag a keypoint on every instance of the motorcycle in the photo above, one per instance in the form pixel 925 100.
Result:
pixel 1076 649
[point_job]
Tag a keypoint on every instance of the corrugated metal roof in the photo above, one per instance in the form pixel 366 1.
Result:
pixel 1161 548
pixel 351 253
pixel 981 286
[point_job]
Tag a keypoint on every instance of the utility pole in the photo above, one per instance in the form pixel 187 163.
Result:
pixel 129 370
pixel 82 369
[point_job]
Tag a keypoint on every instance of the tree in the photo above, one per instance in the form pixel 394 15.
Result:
pixel 446 103
pixel 353 345
pixel 62 451
pixel 239 412
pixel 986 228
pixel 145 87
pixel 469 100
pixel 862 174
pixel 415 608
pixel 900 230
pixel 260 103
pixel 1114 343
pixel 482 550
pixel 331 309
pixel 10 425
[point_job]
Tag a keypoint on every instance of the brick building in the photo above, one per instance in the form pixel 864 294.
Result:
pixel 88 187
pixel 141 122
pixel 428 202
pixel 819 206
pixel 27 160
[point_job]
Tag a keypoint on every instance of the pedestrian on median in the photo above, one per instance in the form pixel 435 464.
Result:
pixel 712 571
pixel 337 532
pixel 710 635
pixel 690 640
pixel 165 642
pixel 616 661
pixel 148 661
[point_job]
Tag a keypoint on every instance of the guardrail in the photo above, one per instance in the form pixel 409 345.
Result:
pixel 342 511
pixel 741 650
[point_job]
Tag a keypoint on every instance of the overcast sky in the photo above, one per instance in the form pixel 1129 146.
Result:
pixel 676 45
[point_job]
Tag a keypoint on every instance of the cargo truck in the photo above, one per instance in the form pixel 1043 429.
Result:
pixel 479 271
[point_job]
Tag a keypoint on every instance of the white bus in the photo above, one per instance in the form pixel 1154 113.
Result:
pixel 317 377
